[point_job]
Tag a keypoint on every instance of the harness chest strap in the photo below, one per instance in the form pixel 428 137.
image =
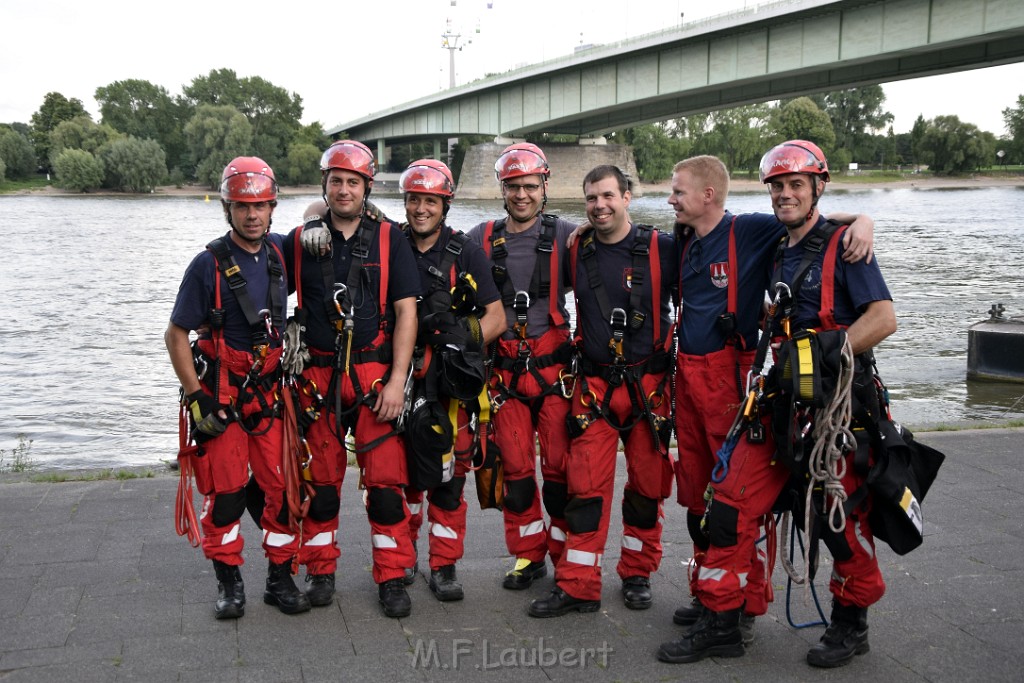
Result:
pixel 544 266
pixel 645 254
pixel 225 263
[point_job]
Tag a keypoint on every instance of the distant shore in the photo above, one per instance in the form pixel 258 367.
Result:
pixel 736 185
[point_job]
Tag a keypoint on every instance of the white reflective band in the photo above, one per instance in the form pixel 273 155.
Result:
pixel 531 528
pixel 382 541
pixel 632 543
pixel 711 574
pixel 414 508
pixel 556 534
pixel 442 531
pixel 322 538
pixel 232 535
pixel 206 507
pixel 583 557
pixel 277 540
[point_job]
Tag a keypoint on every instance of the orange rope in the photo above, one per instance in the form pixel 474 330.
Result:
pixel 185 522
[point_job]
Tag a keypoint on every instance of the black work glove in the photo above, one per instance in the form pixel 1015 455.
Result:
pixel 207 424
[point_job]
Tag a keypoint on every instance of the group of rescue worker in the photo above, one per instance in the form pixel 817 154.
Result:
pixel 429 353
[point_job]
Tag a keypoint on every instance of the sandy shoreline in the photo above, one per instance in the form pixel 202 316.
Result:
pixel 744 185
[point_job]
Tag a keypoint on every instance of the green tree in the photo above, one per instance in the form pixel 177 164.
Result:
pixel 272 112
pixel 143 110
pixel 802 119
pixel 80 133
pixel 1013 117
pixel 655 152
pixel 855 112
pixel 3 170
pixel 133 165
pixel 951 146
pixel 890 150
pixel 78 170
pixel 313 134
pixel 216 135
pixel 302 166
pixel 738 136
pixel 17 154
pixel 917 138
pixel 55 109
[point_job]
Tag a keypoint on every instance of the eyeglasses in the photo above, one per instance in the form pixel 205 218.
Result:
pixel 514 188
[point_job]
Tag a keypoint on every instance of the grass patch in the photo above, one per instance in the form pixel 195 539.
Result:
pixel 33 183
pixel 20 459
pixel 97 475
pixel 942 427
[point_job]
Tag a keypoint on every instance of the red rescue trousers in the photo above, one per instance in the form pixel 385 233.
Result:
pixel 747 494
pixel 222 472
pixel 709 390
pixel 591 478
pixel 517 426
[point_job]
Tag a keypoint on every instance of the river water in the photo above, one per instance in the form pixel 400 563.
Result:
pixel 90 282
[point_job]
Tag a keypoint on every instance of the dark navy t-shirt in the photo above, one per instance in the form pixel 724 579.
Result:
pixel 470 260
pixel 856 285
pixel 615 264
pixel 402 283
pixel 705 276
pixel 520 262
pixel 196 295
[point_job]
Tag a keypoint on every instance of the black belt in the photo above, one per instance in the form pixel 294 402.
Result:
pixel 654 364
pixel 381 354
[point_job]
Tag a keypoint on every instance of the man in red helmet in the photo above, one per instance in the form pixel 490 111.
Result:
pixel 820 291
pixel 459 313
pixel 356 287
pixel 725 267
pixel 531 392
pixel 235 294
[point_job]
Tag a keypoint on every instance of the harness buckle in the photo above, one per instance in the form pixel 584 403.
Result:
pixel 617 320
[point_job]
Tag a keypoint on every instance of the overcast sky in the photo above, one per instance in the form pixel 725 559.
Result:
pixel 347 59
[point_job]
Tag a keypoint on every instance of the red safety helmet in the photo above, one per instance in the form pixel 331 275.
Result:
pixel 794 156
pixel 349 155
pixel 428 176
pixel 248 179
pixel 521 159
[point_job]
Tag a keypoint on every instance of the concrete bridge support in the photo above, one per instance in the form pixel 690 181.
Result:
pixel 569 163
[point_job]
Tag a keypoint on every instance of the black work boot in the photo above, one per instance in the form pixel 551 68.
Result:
pixel 282 591
pixel 321 589
pixel 716 634
pixel 845 637
pixel 636 592
pixel 524 574
pixel 559 603
pixel 444 585
pixel 687 615
pixel 230 591
pixel 394 598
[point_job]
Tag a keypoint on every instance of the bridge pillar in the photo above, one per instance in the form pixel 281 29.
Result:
pixel 382 153
pixel 437 150
pixel 569 163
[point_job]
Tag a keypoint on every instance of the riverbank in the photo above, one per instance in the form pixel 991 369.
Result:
pixel 736 185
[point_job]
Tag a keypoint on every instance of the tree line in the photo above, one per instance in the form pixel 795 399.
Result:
pixel 147 137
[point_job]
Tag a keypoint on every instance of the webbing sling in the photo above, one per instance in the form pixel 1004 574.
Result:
pixel 444 275
pixel 544 266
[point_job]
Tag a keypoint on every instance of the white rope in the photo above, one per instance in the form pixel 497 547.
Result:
pixel 826 466
pixel 295 355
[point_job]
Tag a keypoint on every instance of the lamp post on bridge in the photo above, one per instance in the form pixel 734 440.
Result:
pixel 450 42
